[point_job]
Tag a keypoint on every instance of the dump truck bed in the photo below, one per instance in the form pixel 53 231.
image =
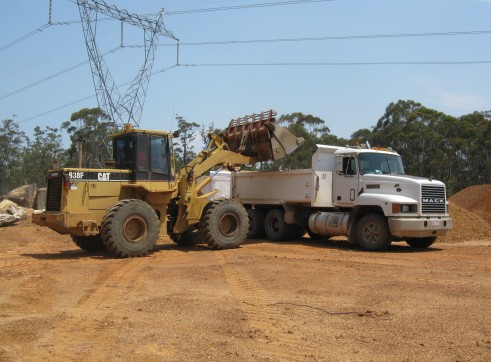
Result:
pixel 274 188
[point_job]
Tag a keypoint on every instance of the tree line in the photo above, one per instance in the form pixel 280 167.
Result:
pixel 455 150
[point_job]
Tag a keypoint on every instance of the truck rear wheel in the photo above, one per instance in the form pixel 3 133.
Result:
pixel 421 243
pixel 372 232
pixel 224 224
pixel 275 226
pixel 256 223
pixel 89 243
pixel 130 228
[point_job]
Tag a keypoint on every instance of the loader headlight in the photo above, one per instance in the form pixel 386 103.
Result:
pixel 403 208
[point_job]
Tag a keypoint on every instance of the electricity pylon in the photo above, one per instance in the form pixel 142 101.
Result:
pixel 125 108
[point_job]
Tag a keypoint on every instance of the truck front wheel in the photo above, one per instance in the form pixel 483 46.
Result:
pixel 421 243
pixel 372 232
pixel 130 228
pixel 224 224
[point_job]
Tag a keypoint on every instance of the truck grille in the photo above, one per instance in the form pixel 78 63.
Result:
pixel 433 199
pixel 53 197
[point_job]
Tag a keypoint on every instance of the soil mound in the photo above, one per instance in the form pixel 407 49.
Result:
pixel 476 199
pixel 470 210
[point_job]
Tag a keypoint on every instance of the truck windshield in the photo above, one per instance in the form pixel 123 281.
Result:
pixel 380 164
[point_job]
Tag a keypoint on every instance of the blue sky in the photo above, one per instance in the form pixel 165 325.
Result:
pixel 346 96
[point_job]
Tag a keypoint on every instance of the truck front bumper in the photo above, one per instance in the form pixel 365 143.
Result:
pixel 419 227
pixel 76 223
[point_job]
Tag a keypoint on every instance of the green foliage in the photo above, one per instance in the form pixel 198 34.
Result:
pixel 313 130
pixel 456 150
pixel 41 153
pixel 92 128
pixel 183 147
pixel 431 143
pixel 12 143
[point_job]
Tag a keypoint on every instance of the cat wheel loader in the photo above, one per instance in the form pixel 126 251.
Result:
pixel 125 207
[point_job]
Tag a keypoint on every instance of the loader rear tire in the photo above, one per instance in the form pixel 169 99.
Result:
pixel 130 228
pixel 224 224
pixel 89 243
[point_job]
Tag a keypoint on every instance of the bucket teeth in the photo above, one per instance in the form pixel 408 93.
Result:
pixel 260 137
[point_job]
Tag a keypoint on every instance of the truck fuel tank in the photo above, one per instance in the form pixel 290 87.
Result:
pixel 329 223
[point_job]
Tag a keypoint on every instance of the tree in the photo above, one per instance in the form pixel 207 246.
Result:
pixel 433 144
pixel 311 128
pixel 41 153
pixel 183 147
pixel 12 144
pixel 92 128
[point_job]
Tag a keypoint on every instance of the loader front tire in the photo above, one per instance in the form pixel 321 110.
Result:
pixel 224 224
pixel 89 243
pixel 130 228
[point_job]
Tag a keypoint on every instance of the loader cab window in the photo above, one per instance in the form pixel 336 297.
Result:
pixel 159 153
pixel 124 150
pixel 141 152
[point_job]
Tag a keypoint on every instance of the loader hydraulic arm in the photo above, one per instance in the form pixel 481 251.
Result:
pixel 246 141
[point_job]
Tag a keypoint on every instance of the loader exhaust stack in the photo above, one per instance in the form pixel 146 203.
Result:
pixel 260 137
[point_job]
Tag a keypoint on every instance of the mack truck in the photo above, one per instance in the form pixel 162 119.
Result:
pixel 140 195
pixel 359 192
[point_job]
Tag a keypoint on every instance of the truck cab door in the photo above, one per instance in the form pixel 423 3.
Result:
pixel 345 181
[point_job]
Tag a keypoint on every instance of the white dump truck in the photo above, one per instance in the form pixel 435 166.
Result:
pixel 358 192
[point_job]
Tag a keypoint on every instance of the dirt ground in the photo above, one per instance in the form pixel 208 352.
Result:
pixel 301 300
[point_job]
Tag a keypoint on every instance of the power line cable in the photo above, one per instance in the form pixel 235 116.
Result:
pixel 24 37
pixel 246 6
pixel 223 8
pixel 471 62
pixel 466 62
pixel 66 70
pixel 340 37
pixel 88 97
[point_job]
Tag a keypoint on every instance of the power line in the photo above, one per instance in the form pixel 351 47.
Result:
pixel 66 70
pixel 247 6
pixel 336 63
pixel 340 37
pixel 223 8
pixel 278 40
pixel 163 70
pixel 24 37
pixel 269 65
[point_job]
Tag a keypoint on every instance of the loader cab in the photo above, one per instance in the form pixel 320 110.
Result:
pixel 146 154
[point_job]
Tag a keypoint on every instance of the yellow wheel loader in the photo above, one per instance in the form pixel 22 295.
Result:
pixel 125 207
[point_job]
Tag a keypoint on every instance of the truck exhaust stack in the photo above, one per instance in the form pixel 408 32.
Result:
pixel 260 137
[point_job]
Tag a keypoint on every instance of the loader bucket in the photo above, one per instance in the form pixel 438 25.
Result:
pixel 258 136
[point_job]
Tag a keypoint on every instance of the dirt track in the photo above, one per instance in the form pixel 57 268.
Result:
pixel 302 300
